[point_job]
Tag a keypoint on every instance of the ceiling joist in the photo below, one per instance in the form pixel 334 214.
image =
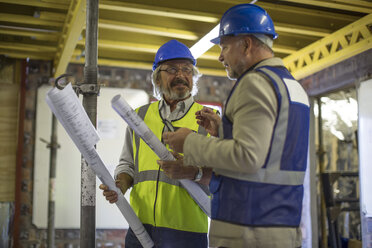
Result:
pixel 75 21
pixel 341 6
pixel 38 3
pixel 158 11
pixel 146 29
pixel 23 19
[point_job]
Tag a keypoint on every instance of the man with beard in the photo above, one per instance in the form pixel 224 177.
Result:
pixel 260 157
pixel 169 214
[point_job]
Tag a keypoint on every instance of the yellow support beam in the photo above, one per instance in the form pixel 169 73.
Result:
pixel 342 44
pixel 38 35
pixel 23 19
pixel 38 3
pixel 350 6
pixel 26 47
pixel 73 26
pixel 301 30
pixel 26 54
pixel 123 46
pixel 146 29
pixel 158 11
pixel 145 66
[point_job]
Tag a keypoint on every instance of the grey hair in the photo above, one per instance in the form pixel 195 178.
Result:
pixel 155 76
pixel 263 41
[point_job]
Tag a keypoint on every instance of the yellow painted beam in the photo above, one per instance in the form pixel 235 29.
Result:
pixel 145 66
pixel 26 47
pixel 26 54
pixel 301 30
pixel 124 46
pixel 38 35
pixel 356 2
pixel 38 3
pixel 146 29
pixel 342 44
pixel 158 11
pixel 52 16
pixel 23 19
pixel 329 4
pixel 278 7
pixel 73 26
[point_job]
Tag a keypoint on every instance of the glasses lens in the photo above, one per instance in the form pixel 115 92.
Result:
pixel 172 70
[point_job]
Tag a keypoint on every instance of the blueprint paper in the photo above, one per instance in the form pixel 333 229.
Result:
pixel 68 110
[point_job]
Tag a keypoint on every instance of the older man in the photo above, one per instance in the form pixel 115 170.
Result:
pixel 169 214
pixel 260 157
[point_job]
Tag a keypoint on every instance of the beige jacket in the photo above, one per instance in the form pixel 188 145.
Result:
pixel 252 108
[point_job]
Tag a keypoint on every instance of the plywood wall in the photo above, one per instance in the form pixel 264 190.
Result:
pixel 9 98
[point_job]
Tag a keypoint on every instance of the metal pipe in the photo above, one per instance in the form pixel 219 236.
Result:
pixel 323 214
pixel 20 155
pixel 53 146
pixel 88 179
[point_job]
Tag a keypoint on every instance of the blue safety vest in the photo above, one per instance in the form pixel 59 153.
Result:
pixel 273 195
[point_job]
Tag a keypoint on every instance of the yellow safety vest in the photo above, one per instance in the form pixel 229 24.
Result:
pixel 156 199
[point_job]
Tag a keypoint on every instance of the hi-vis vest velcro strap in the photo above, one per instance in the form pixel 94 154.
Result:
pixel 271 172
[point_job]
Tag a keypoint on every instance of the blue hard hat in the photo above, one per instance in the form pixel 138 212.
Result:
pixel 173 49
pixel 245 19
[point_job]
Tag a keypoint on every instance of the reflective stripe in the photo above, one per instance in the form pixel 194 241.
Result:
pixel 152 175
pixel 271 173
pixel 141 113
pixel 202 131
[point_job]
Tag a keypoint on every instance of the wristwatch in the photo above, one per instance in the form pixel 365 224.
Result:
pixel 199 175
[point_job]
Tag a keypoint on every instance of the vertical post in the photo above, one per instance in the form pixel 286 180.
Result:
pixel 53 146
pixel 88 179
pixel 323 214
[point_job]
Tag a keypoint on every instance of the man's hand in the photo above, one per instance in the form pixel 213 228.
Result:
pixel 175 140
pixel 176 170
pixel 110 195
pixel 209 120
pixel 123 182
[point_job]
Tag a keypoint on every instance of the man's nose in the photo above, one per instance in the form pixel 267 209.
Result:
pixel 220 58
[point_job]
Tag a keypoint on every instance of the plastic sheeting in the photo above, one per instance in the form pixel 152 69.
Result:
pixel 6 223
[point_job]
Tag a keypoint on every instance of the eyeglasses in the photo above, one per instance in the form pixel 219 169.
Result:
pixel 174 70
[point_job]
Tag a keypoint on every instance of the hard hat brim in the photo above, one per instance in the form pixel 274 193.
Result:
pixel 216 40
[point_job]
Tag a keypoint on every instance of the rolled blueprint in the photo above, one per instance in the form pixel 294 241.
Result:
pixel 142 130
pixel 67 108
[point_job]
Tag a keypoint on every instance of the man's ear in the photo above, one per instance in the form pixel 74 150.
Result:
pixel 247 43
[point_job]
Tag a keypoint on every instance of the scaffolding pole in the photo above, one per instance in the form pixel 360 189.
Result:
pixel 53 146
pixel 90 92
